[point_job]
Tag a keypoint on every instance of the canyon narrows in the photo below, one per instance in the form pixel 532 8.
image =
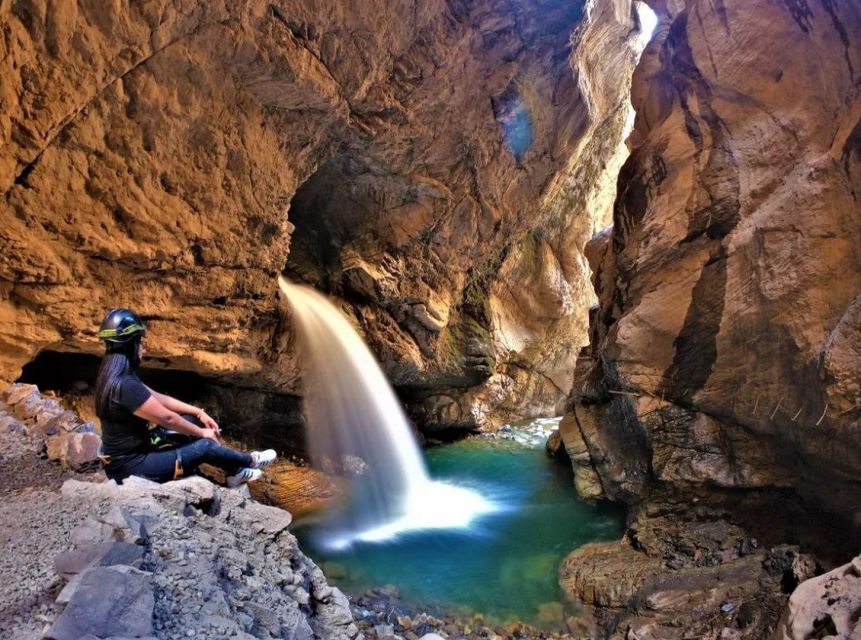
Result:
pixel 721 394
pixel 447 172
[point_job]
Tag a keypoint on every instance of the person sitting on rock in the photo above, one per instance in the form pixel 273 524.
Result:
pixel 126 406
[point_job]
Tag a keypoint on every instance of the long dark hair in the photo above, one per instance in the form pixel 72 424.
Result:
pixel 119 360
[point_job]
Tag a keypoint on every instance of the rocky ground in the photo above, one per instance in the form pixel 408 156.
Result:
pixel 37 526
pixel 37 520
pixel 191 559
pixel 83 556
pixel 185 559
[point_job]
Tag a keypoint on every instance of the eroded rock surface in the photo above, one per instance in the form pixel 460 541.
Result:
pixel 728 323
pixel 696 567
pixel 829 605
pixel 724 357
pixel 442 167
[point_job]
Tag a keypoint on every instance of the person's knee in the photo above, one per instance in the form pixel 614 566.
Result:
pixel 204 445
pixel 199 451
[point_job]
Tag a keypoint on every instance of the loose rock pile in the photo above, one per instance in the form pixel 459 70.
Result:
pixel 30 421
pixel 691 572
pixel 190 559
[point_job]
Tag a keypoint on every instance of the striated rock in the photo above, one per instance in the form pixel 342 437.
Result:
pixel 555 447
pixel 586 479
pixel 605 574
pixel 726 343
pixel 826 606
pixel 299 490
pixel 715 397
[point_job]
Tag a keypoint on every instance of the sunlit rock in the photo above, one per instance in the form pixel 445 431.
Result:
pixel 729 283
pixel 178 158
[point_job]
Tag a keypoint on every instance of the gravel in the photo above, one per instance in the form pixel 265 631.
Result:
pixel 37 526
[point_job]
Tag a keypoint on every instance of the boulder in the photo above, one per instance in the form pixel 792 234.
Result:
pixel 556 447
pixel 48 414
pixel 29 406
pixel 76 561
pixel 826 606
pixel 271 520
pixel 15 393
pixel 82 450
pixel 74 450
pixel 109 601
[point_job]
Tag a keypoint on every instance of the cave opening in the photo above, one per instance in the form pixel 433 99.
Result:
pixel 255 418
pixel 315 243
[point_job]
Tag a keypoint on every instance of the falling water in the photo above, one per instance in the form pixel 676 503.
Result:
pixel 356 426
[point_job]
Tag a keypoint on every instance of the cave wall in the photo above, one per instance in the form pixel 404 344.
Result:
pixel 727 346
pixel 152 152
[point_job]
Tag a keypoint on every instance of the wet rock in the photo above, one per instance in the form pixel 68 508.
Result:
pixel 550 614
pixel 587 482
pixel 556 448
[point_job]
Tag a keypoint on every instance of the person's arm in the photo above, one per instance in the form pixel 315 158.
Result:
pixel 154 411
pixel 178 406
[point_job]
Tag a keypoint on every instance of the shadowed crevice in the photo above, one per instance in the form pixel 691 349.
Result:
pixel 696 345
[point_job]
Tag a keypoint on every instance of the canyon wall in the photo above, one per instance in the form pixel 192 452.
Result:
pixel 727 345
pixel 414 161
pixel 720 396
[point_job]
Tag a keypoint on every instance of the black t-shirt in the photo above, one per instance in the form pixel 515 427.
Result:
pixel 123 433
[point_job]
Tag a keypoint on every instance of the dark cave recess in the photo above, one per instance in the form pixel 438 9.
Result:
pixel 254 417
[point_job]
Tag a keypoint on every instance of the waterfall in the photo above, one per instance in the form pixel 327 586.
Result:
pixel 357 428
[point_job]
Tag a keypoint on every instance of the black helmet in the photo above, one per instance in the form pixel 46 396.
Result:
pixel 121 326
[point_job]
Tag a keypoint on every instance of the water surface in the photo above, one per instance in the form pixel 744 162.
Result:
pixel 504 565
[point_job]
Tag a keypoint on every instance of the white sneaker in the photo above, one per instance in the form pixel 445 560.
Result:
pixel 263 458
pixel 245 474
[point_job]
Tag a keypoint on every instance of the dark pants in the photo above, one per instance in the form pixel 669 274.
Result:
pixel 161 465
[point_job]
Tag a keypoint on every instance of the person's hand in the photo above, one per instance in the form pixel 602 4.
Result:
pixel 210 434
pixel 208 422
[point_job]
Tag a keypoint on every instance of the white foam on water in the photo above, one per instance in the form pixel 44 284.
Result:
pixel 437 506
pixel 352 413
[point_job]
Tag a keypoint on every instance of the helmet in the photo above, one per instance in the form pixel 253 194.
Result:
pixel 121 326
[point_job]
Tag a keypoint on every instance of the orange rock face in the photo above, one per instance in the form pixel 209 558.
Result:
pixel 728 340
pixel 416 162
